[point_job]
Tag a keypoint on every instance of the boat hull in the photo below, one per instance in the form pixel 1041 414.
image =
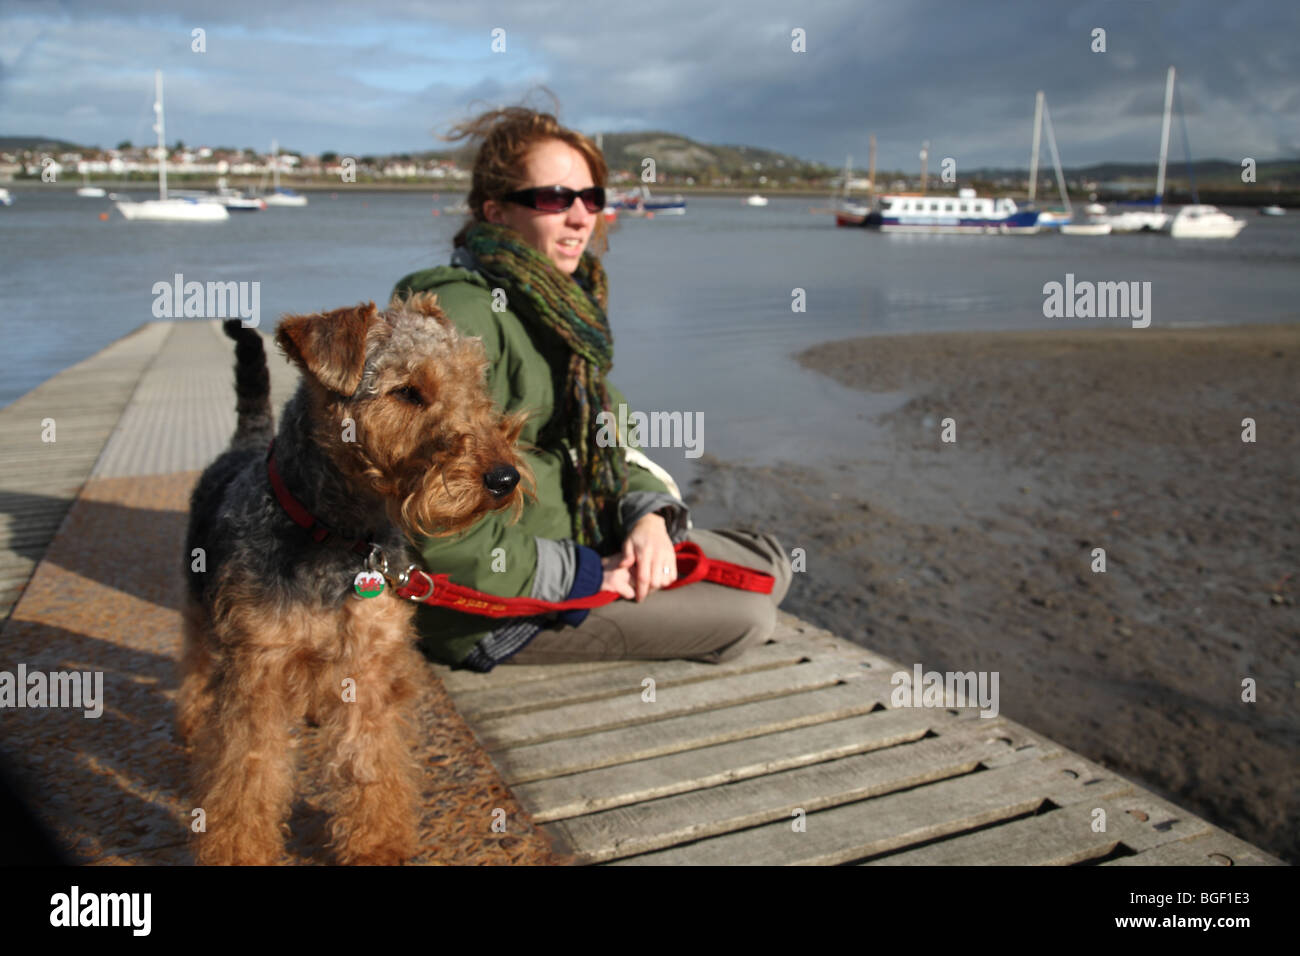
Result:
pixel 1086 229
pixel 1017 224
pixel 285 199
pixel 1205 223
pixel 173 210
pixel 1139 222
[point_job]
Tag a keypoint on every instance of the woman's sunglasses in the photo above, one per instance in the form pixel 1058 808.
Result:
pixel 559 198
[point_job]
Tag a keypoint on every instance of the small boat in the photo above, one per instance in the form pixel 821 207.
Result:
pixel 278 196
pixel 165 208
pixel 1054 218
pixel 1086 229
pixel 88 191
pixel 1272 211
pixel 638 200
pixel 1095 209
pixel 965 213
pixel 234 200
pixel 851 213
pixel 1205 222
pixel 756 200
pixel 5 198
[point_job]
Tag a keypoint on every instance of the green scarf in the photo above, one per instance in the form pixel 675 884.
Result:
pixel 572 309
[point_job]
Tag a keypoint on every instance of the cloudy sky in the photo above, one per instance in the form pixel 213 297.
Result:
pixel 387 76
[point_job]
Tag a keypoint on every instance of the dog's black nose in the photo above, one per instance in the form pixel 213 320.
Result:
pixel 501 480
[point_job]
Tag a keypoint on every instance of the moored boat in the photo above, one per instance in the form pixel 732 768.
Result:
pixel 1086 229
pixel 168 208
pixel 756 200
pixel 1272 211
pixel 964 213
pixel 1205 222
pixel 5 198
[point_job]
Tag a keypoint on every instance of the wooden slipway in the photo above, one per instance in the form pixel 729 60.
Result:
pixel 791 754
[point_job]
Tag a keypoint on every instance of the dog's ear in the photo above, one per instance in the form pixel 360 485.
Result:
pixel 329 346
pixel 426 303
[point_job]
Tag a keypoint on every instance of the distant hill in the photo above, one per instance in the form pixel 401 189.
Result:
pixel 11 143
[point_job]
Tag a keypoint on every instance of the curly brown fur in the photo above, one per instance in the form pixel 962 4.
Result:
pixel 391 433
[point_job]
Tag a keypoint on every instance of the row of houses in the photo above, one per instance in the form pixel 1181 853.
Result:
pixel 205 161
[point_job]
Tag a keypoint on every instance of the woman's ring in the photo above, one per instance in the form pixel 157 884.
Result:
pixel 667 570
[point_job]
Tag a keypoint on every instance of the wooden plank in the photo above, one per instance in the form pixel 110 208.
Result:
pixel 460 682
pixel 609 787
pixel 492 702
pixel 748 803
pixel 1059 837
pixel 643 741
pixel 868 827
pixel 504 732
pixel 1215 848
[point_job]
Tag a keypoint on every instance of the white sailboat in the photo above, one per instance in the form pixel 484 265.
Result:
pixel 278 196
pixel 164 209
pixel 86 190
pixel 1048 218
pixel 1062 219
pixel 1155 220
pixel 1199 220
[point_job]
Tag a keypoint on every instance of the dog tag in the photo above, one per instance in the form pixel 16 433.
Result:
pixel 368 584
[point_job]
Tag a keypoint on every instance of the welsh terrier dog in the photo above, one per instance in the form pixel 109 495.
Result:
pixel 391 433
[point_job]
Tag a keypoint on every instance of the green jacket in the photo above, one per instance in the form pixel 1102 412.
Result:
pixel 536 556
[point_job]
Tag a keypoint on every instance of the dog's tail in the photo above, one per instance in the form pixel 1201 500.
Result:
pixel 255 425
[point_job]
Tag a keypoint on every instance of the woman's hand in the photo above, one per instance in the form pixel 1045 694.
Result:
pixel 649 556
pixel 618 576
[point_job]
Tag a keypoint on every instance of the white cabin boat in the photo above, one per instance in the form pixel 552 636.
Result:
pixel 1205 222
pixel 756 200
pixel 960 214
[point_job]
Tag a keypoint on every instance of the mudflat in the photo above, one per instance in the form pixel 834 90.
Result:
pixel 981 552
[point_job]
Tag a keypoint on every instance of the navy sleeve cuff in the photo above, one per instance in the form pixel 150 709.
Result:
pixel 586 581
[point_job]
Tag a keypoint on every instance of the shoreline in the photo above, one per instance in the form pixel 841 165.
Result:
pixel 979 554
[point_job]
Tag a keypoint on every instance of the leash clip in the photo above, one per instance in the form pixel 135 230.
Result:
pixel 404 580
pixel 377 561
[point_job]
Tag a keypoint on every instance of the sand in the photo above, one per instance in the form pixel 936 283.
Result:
pixel 979 553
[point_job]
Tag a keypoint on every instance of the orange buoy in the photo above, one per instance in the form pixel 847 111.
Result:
pixel 103 217
pixel 649 215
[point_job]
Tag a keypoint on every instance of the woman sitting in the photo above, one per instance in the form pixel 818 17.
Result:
pixel 524 281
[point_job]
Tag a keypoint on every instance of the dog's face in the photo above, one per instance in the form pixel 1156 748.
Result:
pixel 400 395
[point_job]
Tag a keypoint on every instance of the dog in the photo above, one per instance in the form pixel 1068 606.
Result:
pixel 390 434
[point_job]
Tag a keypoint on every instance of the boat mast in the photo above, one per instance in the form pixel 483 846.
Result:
pixel 1187 150
pixel 871 164
pixel 1164 139
pixel 1033 154
pixel 160 127
pixel 1056 159
pixel 848 171
pixel 925 154
pixel 275 165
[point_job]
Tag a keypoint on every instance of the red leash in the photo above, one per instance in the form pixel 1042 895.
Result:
pixel 440 591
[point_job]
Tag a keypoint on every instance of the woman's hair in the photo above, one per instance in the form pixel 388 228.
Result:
pixel 505 137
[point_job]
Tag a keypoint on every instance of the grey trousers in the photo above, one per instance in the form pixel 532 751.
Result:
pixel 703 621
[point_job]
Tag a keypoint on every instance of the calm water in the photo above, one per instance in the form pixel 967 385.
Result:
pixel 700 304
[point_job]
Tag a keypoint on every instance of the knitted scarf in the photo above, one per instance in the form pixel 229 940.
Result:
pixel 571 310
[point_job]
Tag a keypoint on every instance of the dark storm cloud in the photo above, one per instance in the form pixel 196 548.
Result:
pixel 378 77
